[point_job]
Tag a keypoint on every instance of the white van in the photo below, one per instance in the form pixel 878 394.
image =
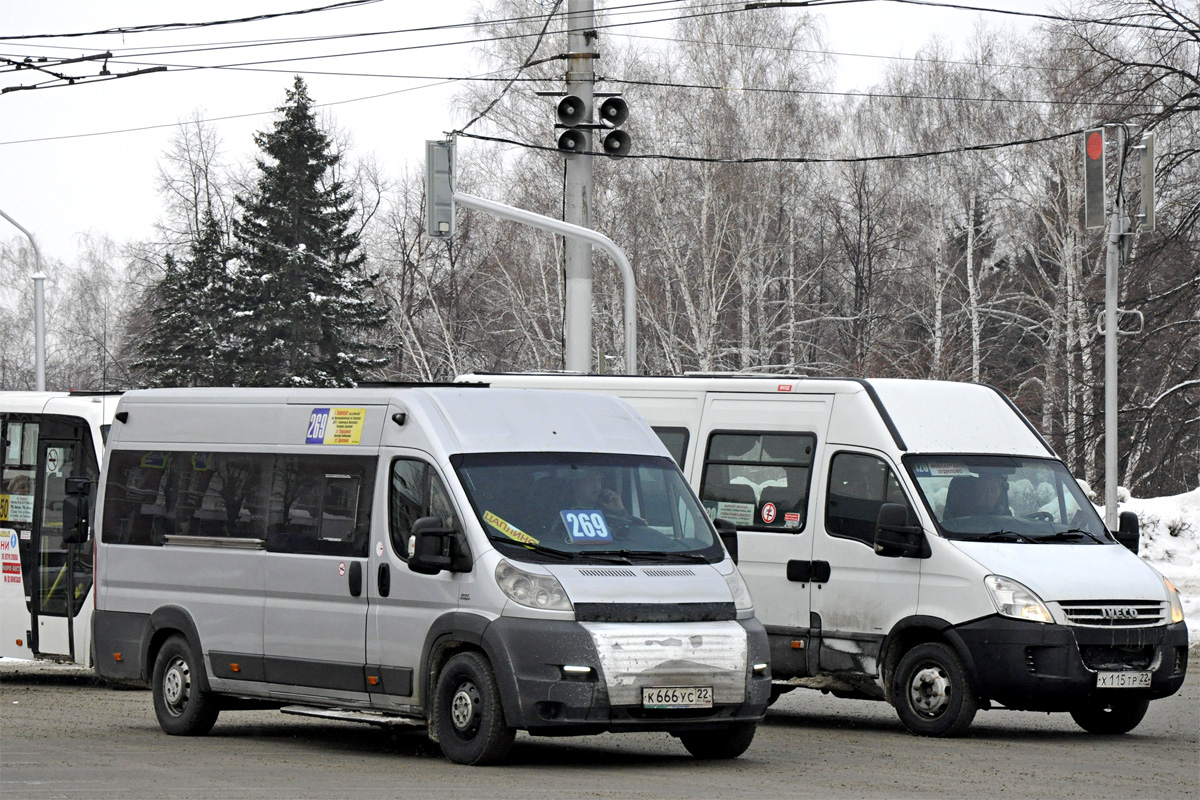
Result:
pixel 917 542
pixel 476 560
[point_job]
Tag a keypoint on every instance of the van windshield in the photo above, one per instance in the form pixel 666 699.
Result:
pixel 1006 498
pixel 587 506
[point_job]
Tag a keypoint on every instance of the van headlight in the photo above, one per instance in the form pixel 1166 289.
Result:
pixel 530 589
pixel 739 590
pixel 1176 603
pixel 1016 600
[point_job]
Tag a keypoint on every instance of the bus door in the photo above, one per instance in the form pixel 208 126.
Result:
pixel 62 574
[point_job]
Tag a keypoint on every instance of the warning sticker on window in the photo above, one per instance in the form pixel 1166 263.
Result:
pixel 926 469
pixel 335 426
pixel 740 514
pixel 514 533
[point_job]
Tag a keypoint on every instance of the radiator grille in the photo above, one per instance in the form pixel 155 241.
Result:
pixel 1115 613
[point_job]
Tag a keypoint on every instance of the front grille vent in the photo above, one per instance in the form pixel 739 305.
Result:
pixel 1115 613
pixel 666 572
pixel 607 572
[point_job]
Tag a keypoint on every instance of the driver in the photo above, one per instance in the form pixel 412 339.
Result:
pixel 992 495
pixel 587 491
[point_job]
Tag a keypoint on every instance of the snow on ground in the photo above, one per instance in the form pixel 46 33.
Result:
pixel 1171 544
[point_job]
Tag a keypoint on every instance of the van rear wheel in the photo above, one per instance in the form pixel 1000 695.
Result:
pixel 468 720
pixel 931 691
pixel 1110 717
pixel 182 707
pixel 730 742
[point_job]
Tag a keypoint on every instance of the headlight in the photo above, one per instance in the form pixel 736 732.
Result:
pixel 740 591
pixel 1016 600
pixel 528 589
pixel 1176 603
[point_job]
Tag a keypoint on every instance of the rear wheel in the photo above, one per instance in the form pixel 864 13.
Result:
pixel 931 691
pixel 1110 717
pixel 730 742
pixel 182 707
pixel 468 719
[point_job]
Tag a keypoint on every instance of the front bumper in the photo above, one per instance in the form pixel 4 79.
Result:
pixel 539 697
pixel 1038 667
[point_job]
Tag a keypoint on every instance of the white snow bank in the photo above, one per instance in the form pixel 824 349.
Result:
pixel 1171 544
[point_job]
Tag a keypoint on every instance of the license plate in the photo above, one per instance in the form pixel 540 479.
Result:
pixel 677 697
pixel 1122 680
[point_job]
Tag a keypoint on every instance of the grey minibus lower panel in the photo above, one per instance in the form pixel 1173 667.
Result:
pixel 121 640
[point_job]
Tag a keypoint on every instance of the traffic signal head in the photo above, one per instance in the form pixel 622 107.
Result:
pixel 1093 178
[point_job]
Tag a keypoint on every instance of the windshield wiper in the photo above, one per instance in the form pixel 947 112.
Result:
pixel 1000 536
pixel 539 548
pixel 1072 533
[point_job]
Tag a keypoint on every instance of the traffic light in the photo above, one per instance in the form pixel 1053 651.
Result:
pixel 1093 178
pixel 1147 204
pixel 613 113
pixel 439 189
pixel 572 112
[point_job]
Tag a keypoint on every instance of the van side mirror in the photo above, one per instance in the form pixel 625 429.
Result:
pixel 76 511
pixel 434 547
pixel 728 533
pixel 1128 530
pixel 894 537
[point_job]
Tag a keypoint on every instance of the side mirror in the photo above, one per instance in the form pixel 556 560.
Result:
pixel 76 511
pixel 1128 530
pixel 894 537
pixel 728 533
pixel 434 547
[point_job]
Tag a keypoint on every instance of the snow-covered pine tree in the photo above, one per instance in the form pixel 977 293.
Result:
pixel 188 337
pixel 306 308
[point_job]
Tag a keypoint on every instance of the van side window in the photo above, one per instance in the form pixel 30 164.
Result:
pixel 416 491
pixel 858 485
pixel 321 505
pixel 758 481
pixel 676 442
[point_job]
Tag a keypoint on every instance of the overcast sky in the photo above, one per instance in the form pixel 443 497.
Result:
pixel 84 158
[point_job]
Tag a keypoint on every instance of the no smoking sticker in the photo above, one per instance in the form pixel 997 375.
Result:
pixel 768 513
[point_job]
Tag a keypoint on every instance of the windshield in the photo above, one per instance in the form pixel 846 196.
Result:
pixel 587 506
pixel 1006 498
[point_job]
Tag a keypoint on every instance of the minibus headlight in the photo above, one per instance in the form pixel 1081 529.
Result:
pixel 1016 600
pixel 740 591
pixel 1176 603
pixel 532 590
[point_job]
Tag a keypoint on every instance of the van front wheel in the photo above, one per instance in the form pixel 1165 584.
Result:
pixel 730 742
pixel 932 693
pixel 468 720
pixel 1110 717
pixel 182 707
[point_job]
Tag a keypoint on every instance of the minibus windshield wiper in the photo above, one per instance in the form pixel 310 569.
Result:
pixel 1071 533
pixel 565 555
pixel 1002 535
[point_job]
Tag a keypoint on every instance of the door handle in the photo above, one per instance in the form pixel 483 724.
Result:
pixel 355 578
pixel 384 580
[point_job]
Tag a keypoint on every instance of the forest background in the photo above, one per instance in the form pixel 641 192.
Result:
pixel 930 228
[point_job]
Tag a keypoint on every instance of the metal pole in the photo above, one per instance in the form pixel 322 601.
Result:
pixel 1110 373
pixel 570 231
pixel 577 192
pixel 39 310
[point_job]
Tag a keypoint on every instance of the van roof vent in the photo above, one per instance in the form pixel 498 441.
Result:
pixel 664 572
pixel 607 572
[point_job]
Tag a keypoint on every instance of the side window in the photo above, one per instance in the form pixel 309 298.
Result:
pixel 17 472
pixel 321 505
pixel 858 485
pixel 758 481
pixel 416 491
pixel 676 442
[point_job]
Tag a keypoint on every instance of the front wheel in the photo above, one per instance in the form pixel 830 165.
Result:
pixel 723 744
pixel 932 693
pixel 1110 717
pixel 468 720
pixel 182 707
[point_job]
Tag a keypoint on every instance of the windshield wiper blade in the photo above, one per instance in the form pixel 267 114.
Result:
pixel 999 536
pixel 540 548
pixel 1072 533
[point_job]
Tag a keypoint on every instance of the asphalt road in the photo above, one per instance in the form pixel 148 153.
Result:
pixel 62 735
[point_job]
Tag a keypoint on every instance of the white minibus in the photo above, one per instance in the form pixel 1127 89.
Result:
pixel 917 542
pixel 477 561
pixel 46 596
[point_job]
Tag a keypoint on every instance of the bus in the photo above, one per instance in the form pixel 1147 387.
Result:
pixel 47 597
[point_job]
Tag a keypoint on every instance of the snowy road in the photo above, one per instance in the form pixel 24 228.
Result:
pixel 63 736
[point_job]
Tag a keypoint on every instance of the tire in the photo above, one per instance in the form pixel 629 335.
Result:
pixel 1110 717
pixel 182 707
pixel 723 744
pixel 931 691
pixel 468 720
